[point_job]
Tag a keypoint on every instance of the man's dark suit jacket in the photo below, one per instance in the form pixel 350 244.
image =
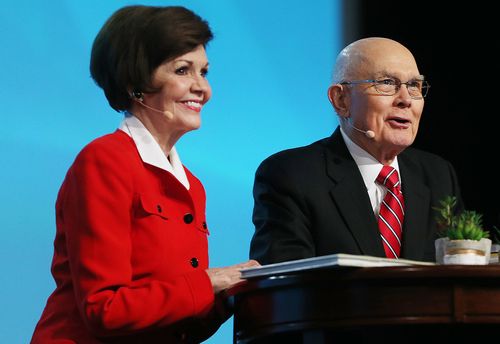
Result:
pixel 312 201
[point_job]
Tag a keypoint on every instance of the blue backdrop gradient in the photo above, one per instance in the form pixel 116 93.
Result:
pixel 270 69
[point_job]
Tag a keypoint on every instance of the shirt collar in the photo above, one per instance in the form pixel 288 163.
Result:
pixel 150 151
pixel 367 164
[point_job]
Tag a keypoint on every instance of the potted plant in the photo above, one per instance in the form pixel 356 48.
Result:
pixel 462 237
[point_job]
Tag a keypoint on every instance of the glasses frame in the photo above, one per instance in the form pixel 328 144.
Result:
pixel 425 86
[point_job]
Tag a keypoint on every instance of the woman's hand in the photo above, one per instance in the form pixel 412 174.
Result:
pixel 226 277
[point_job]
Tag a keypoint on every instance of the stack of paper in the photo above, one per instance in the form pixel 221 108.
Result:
pixel 333 260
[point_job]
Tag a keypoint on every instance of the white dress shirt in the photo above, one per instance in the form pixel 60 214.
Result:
pixel 369 168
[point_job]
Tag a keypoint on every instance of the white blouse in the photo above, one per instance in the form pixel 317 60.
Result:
pixel 150 151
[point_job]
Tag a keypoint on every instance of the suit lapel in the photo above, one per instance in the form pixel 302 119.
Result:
pixel 417 202
pixel 350 196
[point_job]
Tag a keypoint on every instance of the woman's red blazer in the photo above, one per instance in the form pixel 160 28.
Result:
pixel 130 251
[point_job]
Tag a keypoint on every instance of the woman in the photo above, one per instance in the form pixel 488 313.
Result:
pixel 131 255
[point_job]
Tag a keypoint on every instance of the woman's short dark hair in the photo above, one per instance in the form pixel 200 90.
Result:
pixel 134 41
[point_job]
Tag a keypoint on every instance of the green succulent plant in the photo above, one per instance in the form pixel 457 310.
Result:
pixel 463 226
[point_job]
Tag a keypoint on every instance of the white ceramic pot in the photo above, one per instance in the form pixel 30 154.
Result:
pixel 465 252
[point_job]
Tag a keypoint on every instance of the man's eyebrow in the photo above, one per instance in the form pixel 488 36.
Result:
pixel 385 74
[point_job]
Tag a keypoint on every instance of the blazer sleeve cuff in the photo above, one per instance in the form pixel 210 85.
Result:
pixel 201 292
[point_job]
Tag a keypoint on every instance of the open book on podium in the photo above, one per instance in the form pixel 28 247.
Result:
pixel 333 260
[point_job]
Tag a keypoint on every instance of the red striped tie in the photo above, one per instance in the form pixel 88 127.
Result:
pixel 391 214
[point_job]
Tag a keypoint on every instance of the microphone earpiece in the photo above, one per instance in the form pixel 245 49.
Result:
pixel 168 114
pixel 368 133
pixel 138 95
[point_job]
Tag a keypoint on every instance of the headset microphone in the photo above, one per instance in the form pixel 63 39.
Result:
pixel 368 133
pixel 167 113
pixel 139 98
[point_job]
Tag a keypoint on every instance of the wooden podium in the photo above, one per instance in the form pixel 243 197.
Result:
pixel 411 304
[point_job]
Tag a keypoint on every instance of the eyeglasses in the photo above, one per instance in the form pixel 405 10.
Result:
pixel 388 87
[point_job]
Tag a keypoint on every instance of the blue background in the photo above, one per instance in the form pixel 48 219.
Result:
pixel 271 63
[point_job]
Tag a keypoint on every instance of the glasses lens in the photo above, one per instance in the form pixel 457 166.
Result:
pixel 415 88
pixel 386 86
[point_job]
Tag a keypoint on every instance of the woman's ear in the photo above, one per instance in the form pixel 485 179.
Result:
pixel 339 99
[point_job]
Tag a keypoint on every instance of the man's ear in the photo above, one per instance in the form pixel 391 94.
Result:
pixel 339 99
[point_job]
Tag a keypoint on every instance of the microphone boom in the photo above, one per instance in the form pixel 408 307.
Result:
pixel 368 133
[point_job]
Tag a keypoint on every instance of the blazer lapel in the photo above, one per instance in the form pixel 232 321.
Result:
pixel 350 196
pixel 417 202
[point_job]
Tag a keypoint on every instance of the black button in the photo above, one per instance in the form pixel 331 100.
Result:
pixel 182 336
pixel 159 208
pixel 194 262
pixel 204 225
pixel 188 218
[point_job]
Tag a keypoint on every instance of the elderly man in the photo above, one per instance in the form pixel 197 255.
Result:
pixel 361 190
